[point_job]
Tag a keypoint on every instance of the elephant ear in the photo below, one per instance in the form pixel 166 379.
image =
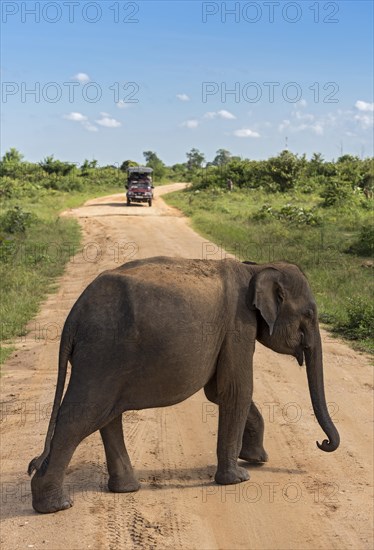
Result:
pixel 267 294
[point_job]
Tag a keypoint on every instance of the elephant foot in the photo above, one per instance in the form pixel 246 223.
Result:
pixel 120 485
pixel 49 498
pixel 231 476
pixel 254 455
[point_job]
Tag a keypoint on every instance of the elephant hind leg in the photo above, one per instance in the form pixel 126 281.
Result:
pixel 77 418
pixel 121 474
pixel 48 494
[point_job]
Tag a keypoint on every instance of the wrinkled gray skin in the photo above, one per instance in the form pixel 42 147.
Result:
pixel 153 332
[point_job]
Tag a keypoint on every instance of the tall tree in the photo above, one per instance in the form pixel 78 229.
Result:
pixel 127 164
pixel 13 155
pixel 284 169
pixel 222 157
pixel 152 160
pixel 195 159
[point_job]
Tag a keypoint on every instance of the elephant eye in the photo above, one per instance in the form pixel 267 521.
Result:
pixel 309 313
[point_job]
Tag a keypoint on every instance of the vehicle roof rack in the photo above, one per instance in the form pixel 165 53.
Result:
pixel 139 170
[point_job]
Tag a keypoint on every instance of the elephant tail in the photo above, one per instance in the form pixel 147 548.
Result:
pixel 66 346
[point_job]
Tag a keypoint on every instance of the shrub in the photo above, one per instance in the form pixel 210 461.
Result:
pixel 64 183
pixel 364 246
pixel 8 248
pixel 6 187
pixel 58 167
pixel 336 192
pixel 360 323
pixel 284 169
pixel 16 220
pixel 292 214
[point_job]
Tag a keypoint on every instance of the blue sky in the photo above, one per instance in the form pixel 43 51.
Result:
pixel 111 79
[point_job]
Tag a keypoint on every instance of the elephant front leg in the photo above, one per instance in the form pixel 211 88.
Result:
pixel 231 424
pixel 253 438
pixel 121 474
pixel 252 448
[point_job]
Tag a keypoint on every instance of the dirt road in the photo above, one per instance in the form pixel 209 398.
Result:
pixel 301 499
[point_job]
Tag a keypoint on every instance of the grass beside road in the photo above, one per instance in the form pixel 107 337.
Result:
pixel 36 244
pixel 262 227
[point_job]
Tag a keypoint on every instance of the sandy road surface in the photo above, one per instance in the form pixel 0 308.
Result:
pixel 302 499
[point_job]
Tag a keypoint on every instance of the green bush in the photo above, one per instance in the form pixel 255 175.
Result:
pixel 360 322
pixel 16 220
pixel 8 248
pixel 6 187
pixel 336 192
pixel 290 213
pixel 64 183
pixel 15 188
pixel 58 167
pixel 364 246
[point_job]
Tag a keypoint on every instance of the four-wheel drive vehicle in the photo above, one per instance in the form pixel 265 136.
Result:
pixel 139 185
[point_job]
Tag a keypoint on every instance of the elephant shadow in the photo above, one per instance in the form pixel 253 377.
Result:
pixel 164 478
pixel 88 480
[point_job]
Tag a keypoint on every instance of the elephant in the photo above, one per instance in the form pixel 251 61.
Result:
pixel 153 332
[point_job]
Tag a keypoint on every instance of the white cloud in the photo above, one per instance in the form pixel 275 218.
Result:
pixel 220 114
pixel 364 106
pixel 83 120
pixel 365 118
pixel 81 77
pixel 284 124
pixel 302 103
pixel 365 121
pixel 226 114
pixel 183 97
pixel 122 105
pixel 76 117
pixel 245 133
pixel 192 123
pixel 107 121
pixel 348 122
pixel 301 116
pixel 90 127
pixel 317 127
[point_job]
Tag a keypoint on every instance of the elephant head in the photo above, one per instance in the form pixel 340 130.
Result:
pixel 288 323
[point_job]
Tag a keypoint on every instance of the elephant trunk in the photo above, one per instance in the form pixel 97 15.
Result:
pixel 314 367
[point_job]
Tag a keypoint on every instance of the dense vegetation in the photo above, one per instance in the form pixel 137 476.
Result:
pixel 312 212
